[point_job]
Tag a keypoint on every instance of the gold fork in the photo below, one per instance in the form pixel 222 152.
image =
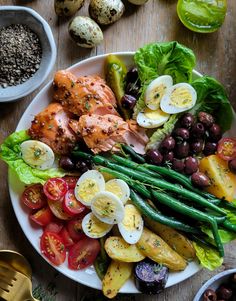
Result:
pixel 15 286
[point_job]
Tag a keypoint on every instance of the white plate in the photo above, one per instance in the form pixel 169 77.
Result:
pixel 87 277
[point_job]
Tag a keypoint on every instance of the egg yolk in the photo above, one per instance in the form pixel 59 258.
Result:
pixel 155 115
pixel 95 226
pixel 156 95
pixel 180 97
pixel 132 219
pixel 104 206
pixel 88 189
pixel 115 189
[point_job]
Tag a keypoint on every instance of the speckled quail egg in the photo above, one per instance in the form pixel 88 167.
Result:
pixel 85 32
pixel 138 2
pixel 105 12
pixel 67 7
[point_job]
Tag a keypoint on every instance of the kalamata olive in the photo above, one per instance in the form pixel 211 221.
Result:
pixel 181 134
pixel 206 119
pixel 187 120
pixel 209 295
pixel 128 101
pixel 178 165
pixel 168 156
pixel 82 166
pixel 198 130
pixel 232 165
pixel 210 148
pixel 132 89
pixel 199 179
pixel 215 133
pixel 224 292
pixel 66 163
pixel 132 75
pixel 154 157
pixel 182 150
pixel 168 143
pixel 191 165
pixel 196 146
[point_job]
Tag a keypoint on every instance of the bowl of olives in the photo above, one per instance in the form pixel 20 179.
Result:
pixel 221 287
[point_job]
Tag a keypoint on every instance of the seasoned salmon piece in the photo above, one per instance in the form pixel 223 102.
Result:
pixel 104 133
pixel 83 95
pixel 51 126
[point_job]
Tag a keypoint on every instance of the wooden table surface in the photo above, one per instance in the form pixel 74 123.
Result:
pixel 155 21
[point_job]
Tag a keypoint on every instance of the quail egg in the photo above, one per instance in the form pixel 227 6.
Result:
pixel 105 12
pixel 85 32
pixel 67 7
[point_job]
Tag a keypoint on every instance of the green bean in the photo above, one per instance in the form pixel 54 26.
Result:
pixel 229 226
pixel 147 210
pixel 136 166
pixel 181 179
pixel 133 154
pixel 192 212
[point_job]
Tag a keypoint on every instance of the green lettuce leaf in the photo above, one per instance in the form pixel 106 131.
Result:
pixel 212 98
pixel 208 257
pixel 157 59
pixel 162 132
pixel 225 235
pixel 10 153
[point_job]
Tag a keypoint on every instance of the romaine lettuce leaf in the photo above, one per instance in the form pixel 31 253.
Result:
pixel 162 132
pixel 10 153
pixel 158 59
pixel 225 235
pixel 209 258
pixel 212 98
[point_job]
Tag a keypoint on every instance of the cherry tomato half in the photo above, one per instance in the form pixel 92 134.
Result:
pixel 55 188
pixel 71 181
pixel 83 253
pixel 67 240
pixel 53 248
pixel 33 197
pixel 75 230
pixel 202 15
pixel 226 149
pixel 57 209
pixel 71 205
pixel 42 217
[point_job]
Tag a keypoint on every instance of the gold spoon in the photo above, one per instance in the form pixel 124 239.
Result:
pixel 15 260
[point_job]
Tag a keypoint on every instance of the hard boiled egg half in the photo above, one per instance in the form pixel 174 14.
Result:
pixel 179 98
pixel 88 185
pixel 131 227
pixel 152 119
pixel 156 90
pixel 93 227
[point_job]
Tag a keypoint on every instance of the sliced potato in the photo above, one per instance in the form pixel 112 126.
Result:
pixel 115 278
pixel 173 238
pixel 118 249
pixel 154 247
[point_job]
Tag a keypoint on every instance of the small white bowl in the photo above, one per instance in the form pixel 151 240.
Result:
pixel 214 283
pixel 23 15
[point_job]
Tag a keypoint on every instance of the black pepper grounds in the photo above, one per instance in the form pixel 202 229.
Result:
pixel 20 54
